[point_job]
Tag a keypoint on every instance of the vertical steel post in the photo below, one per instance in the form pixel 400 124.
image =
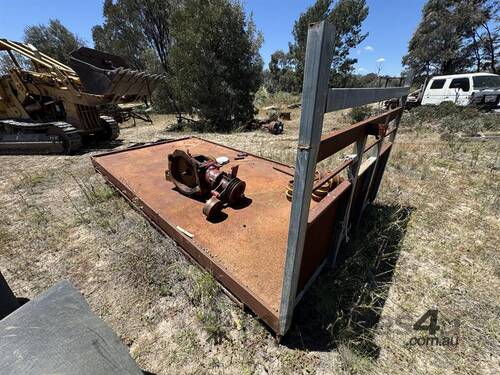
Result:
pixel 318 60
pixel 378 150
pixel 359 149
pixel 408 82
pixel 392 137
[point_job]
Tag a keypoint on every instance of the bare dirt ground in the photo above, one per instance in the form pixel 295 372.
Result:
pixel 430 241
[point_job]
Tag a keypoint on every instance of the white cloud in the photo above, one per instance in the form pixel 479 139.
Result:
pixel 380 60
pixel 369 49
pixel 361 70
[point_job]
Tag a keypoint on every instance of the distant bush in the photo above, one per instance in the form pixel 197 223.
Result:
pixel 449 118
pixel 458 123
pixel 358 114
pixel 264 98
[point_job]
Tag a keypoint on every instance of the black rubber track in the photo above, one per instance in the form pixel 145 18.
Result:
pixel 57 132
pixel 112 129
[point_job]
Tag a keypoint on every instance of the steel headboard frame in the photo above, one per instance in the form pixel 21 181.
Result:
pixel 318 99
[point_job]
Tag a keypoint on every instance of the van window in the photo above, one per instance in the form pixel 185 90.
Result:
pixel 460 83
pixel 438 84
pixel 482 82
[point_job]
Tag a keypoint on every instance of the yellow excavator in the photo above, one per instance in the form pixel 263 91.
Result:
pixel 47 107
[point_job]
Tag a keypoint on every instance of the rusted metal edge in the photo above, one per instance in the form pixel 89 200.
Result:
pixel 373 144
pixel 248 153
pixel 385 147
pixel 391 131
pixel 341 138
pixel 330 199
pixel 332 174
pixel 284 172
pixel 343 166
pixel 192 252
pixel 112 152
pixel 183 139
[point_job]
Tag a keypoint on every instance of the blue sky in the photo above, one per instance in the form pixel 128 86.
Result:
pixel 390 24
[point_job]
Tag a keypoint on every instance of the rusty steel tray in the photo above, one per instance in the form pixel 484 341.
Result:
pixel 269 252
pixel 246 250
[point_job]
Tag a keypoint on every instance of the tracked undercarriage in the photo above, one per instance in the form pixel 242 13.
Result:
pixel 38 137
pixel 57 137
pixel 47 107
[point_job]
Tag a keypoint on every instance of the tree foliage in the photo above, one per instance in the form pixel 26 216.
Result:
pixel 215 63
pixel 54 39
pixel 454 36
pixel 140 31
pixel 121 34
pixel 281 74
pixel 347 16
pixel 155 18
pixel 319 11
pixel 132 27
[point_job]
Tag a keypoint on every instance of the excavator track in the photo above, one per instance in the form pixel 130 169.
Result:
pixel 111 128
pixel 25 137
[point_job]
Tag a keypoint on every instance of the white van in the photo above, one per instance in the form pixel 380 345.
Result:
pixel 463 89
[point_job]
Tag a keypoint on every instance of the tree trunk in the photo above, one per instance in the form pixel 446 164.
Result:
pixel 490 47
pixel 447 67
pixel 477 53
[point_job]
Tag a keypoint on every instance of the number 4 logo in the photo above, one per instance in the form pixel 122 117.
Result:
pixel 432 327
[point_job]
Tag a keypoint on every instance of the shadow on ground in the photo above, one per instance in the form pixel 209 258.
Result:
pixel 91 146
pixel 345 305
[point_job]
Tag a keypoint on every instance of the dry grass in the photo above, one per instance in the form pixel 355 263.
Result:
pixel 431 240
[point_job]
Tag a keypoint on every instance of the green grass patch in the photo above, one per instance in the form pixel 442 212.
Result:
pixel 447 118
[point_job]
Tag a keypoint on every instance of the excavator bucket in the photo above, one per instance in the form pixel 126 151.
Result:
pixel 106 74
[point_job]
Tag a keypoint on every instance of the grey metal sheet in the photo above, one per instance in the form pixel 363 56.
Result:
pixel 57 333
pixel 347 98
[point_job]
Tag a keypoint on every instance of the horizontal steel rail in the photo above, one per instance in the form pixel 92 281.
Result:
pixel 339 139
pixel 332 174
pixel 332 197
pixel 339 98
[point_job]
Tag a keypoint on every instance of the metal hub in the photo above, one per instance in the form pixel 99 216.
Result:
pixel 201 176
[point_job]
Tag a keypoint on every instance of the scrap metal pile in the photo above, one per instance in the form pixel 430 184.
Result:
pixel 274 127
pixel 200 176
pixel 273 122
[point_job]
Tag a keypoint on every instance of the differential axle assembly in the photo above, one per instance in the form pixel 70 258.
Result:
pixel 200 176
